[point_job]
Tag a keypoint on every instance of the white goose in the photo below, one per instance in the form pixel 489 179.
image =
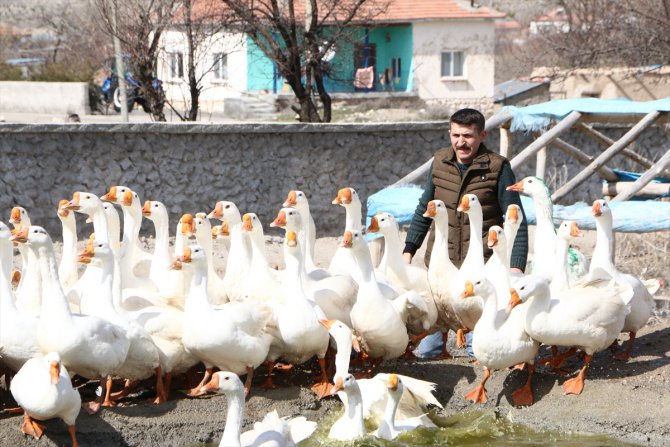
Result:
pixel 545 233
pixel 239 253
pixel 18 331
pixel 142 360
pixel 442 273
pixel 301 336
pixel 500 340
pixel 642 304
pixel 42 387
pixel 375 319
pixel 89 346
pixel 497 268
pixel 469 311
pixel 352 424
pixel 590 319
pixel 172 284
pixel 342 262
pixel 203 235
pixel 131 253
pixel 416 397
pixel 262 282
pixel 307 235
pixel 67 269
pixel 272 431
pixel 232 336
pixel 335 295
pixel 29 290
pixel 389 428
pixel 403 275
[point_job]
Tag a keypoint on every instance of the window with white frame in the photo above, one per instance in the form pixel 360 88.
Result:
pixel 452 64
pixel 175 65
pixel 220 66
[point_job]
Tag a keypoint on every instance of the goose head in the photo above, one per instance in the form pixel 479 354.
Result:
pixel 296 199
pixel 225 210
pixel 346 383
pixel 435 209
pixel 526 287
pixel 223 382
pixel 531 186
pixel 19 217
pixel 121 195
pixel 84 202
pixel 194 256
pixel 601 209
pixel 568 230
pixel 514 214
pixel 478 287
pixel 351 239
pixel 288 218
pixel 63 212
pixel 251 223
pixel 469 203
pixel 393 385
pixel 97 253
pixel 381 222
pixel 496 237
pixel 32 236
pixel 346 196
pixel 155 211
pixel 202 226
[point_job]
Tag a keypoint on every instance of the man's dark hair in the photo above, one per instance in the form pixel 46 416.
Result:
pixel 468 117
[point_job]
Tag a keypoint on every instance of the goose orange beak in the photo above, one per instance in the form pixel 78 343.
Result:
pixel 212 385
pixel 247 225
pixel 469 290
pixel 217 212
pixel 187 225
pixel 512 214
pixel 20 236
pixel 128 198
pixel 339 386
pixel 62 208
pixel 493 239
pixel 597 209
pixel 146 209
pixel 518 186
pixel 327 323
pixel 110 196
pixel 280 220
pixel 74 203
pixel 54 372
pixel 343 197
pixel 431 210
pixel 347 239
pixel 392 382
pixel 291 239
pixel 291 200
pixel 574 230
pixel 514 300
pixel 15 216
pixel 464 205
pixel 374 225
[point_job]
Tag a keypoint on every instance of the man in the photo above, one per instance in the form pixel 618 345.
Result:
pixel 467 167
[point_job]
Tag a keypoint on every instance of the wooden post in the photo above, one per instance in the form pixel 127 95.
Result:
pixel 644 179
pixel 505 142
pixel 584 159
pixel 650 190
pixel 545 139
pixel 541 163
pixel 607 141
pixel 603 158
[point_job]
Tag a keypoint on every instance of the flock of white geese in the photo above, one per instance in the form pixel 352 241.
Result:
pixel 114 321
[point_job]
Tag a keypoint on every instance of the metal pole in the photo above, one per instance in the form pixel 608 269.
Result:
pixel 120 69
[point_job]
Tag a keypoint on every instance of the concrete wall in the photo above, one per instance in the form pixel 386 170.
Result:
pixel 189 167
pixel 44 97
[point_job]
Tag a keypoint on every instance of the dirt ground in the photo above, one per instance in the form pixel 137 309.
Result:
pixel 627 401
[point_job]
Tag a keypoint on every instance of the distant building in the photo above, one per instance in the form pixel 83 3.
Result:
pixel 439 50
pixel 519 92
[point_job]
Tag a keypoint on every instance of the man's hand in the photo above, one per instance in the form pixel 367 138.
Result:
pixel 407 257
pixel 516 270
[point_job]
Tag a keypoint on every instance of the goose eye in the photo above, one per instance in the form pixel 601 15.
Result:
pixel 88 197
pixel 523 288
pixel 99 245
pixel 155 205
pixel 227 206
pixel 226 378
pixel 530 181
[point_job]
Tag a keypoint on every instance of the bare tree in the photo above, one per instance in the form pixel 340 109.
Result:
pixel 201 21
pixel 297 35
pixel 594 33
pixel 140 25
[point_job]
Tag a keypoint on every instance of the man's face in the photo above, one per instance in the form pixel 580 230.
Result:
pixel 466 140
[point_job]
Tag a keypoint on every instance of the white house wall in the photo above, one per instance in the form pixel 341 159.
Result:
pixel 214 90
pixel 475 38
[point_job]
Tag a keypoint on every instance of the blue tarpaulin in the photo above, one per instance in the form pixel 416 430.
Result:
pixel 629 216
pixel 537 117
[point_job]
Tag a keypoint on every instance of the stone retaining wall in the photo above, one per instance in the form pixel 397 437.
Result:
pixel 189 167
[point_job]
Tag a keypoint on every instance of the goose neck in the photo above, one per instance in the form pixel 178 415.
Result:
pixel 388 423
pixel 6 300
pixel 353 217
pixel 100 225
pixel 354 411
pixel 234 417
pixel 53 298
pixel 162 248
pixel 560 278
pixel 602 254
pixel 475 255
